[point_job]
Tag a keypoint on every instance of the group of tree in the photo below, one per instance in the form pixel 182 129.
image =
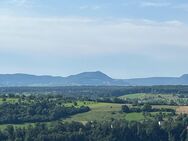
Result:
pixel 93 92
pixel 37 111
pixel 100 131
pixel 145 108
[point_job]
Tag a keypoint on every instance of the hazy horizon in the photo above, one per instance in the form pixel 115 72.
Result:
pixel 22 73
pixel 123 39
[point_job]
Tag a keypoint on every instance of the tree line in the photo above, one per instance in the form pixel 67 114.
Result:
pixel 94 92
pixel 37 111
pixel 100 131
pixel 145 108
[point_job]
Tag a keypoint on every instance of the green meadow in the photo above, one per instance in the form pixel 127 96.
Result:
pixel 100 111
pixel 105 111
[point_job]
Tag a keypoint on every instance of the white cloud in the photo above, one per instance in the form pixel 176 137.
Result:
pixel 18 2
pixel 82 36
pixel 11 4
pixel 88 7
pixel 155 4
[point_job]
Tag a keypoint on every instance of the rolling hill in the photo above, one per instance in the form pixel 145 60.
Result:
pixel 86 79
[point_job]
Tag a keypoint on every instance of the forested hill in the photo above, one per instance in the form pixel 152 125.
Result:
pixel 86 79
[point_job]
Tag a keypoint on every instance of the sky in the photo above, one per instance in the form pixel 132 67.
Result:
pixel 122 38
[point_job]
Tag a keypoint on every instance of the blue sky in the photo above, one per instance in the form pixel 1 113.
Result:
pixel 123 38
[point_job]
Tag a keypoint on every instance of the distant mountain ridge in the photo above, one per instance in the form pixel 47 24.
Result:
pixel 86 79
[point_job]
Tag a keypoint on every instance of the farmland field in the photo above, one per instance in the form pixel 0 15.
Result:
pixel 105 111
pixel 9 100
pixel 182 109
pixel 145 96
pixel 156 99
pixel 99 112
pixel 136 96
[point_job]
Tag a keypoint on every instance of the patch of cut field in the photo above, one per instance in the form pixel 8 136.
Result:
pixel 165 107
pixel 135 96
pixel 142 96
pixel 182 109
pixel 135 117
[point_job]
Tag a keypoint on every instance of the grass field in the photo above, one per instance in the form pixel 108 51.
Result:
pixel 161 97
pixel 168 99
pixel 136 96
pixel 99 111
pixel 135 117
pixel 145 96
pixel 9 100
pixel 105 111
pixel 165 106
